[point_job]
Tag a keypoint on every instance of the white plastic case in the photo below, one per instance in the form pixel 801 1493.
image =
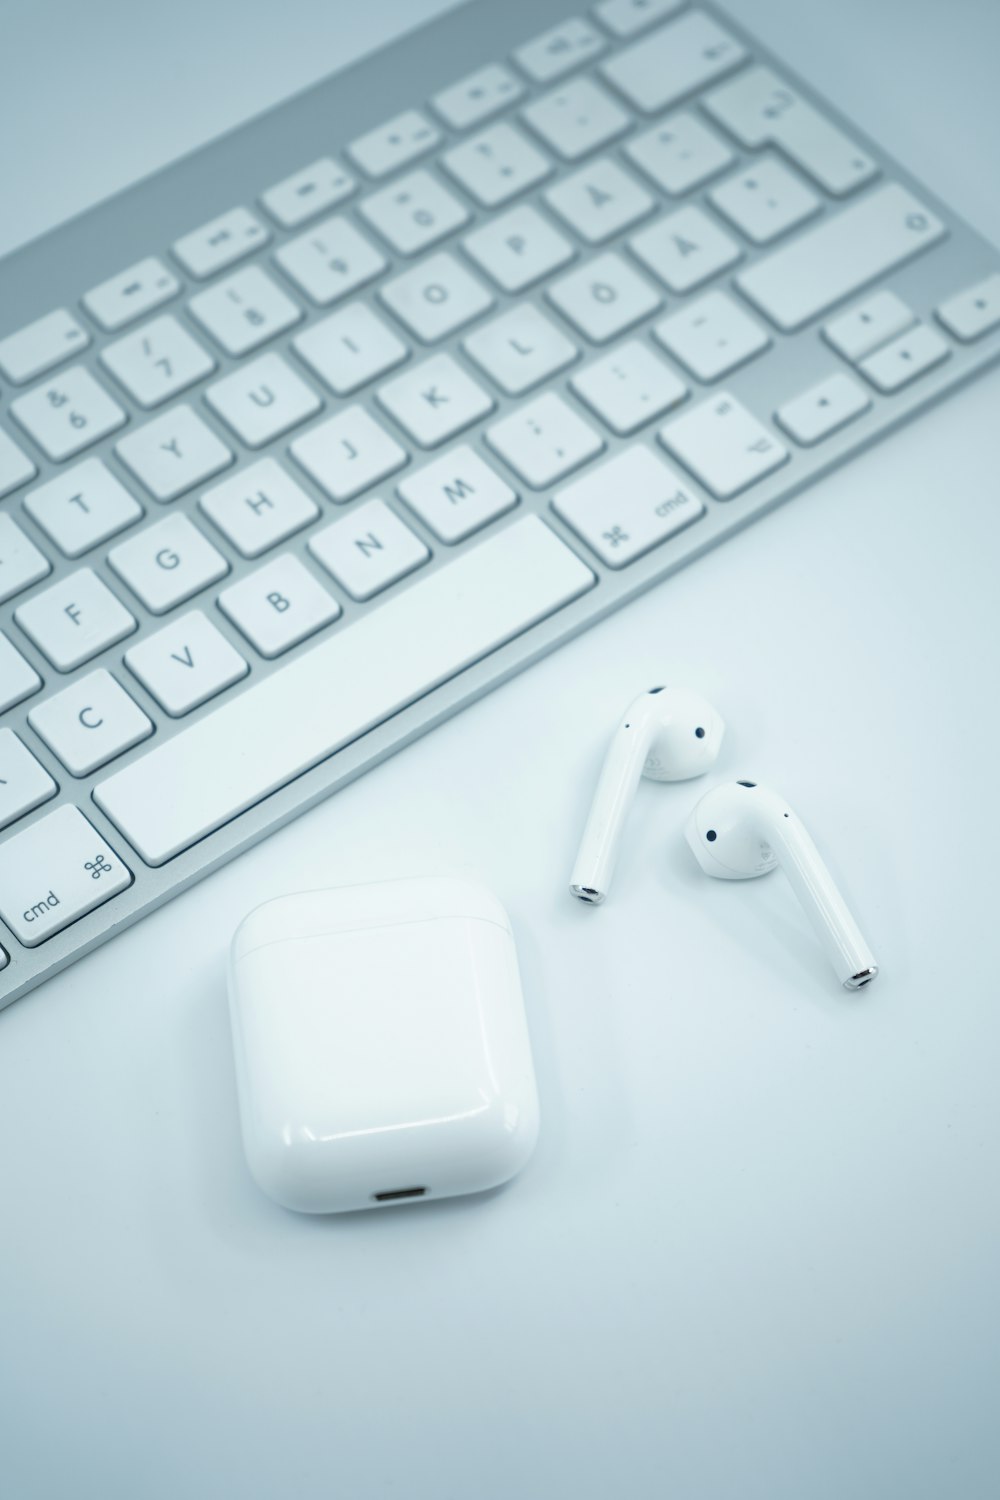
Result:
pixel 382 1052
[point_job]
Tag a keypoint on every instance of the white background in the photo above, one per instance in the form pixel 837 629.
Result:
pixel 756 1252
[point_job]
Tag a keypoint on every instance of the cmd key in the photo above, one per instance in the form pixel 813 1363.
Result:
pixel 55 872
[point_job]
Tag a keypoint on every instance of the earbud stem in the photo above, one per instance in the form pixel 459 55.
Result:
pixel 831 918
pixel 598 852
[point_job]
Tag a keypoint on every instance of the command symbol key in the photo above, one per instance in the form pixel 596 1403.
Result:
pixel 54 873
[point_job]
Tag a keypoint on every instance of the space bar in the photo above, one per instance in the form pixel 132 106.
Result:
pixel 257 742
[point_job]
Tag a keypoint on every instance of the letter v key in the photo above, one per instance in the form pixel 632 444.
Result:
pixel 186 663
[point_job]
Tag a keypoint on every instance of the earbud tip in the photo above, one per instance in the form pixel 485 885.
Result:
pixel 588 893
pixel 861 978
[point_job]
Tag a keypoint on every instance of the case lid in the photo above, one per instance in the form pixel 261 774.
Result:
pixel 379 904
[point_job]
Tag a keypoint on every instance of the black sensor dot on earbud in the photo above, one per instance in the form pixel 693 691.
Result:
pixel 746 783
pixel 699 733
pixel 711 835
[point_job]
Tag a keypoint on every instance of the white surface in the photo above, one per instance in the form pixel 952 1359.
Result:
pixel 754 1257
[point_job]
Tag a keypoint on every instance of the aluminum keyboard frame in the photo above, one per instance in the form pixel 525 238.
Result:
pixel 58 268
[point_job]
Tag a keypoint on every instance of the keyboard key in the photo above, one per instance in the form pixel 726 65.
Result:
pixel 75 619
pixel 368 550
pixel 330 261
pixel 263 399
pixel 278 606
pixel 967 315
pixel 69 413
pixel 518 249
pixel 627 506
pixel 599 201
pixel 157 361
pixel 629 387
pixel 167 563
pixel 544 440
pixel 259 507
pixel 220 243
pixel 17 679
pixel 394 144
pixel 496 165
pixel 912 354
pixel 348 453
pixel 712 336
pixel 577 119
pixel 81 507
pixel 123 298
pixel 21 563
pixel 41 346
pixel 680 154
pixel 477 97
pixel 55 872
pixel 604 298
pixel 298 198
pixel 414 213
pixel 434 400
pixel 436 297
pixel 497 590
pixel 185 663
pixel 673 62
pixel 24 784
pixel 826 264
pixel 90 722
pixel 173 453
pixel 822 409
pixel 863 328
pixel 765 201
pixel 15 467
pixel 244 311
pixel 685 249
pixel 520 349
pixel 350 348
pixel 723 445
pixel 559 51
pixel 457 494
pixel 627 17
pixel 760 109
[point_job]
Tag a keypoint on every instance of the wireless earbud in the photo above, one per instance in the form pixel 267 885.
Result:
pixel 667 734
pixel 739 830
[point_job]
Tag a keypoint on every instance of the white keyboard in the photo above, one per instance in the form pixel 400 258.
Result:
pixel 313 438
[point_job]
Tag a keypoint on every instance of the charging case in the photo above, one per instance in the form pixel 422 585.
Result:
pixel 382 1052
